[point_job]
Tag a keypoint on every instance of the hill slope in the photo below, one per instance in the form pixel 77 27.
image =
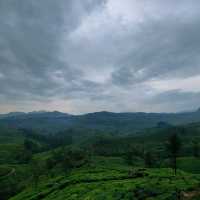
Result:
pixel 121 122
pixel 111 179
pixel 97 168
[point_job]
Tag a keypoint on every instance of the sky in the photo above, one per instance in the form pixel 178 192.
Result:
pixel 80 56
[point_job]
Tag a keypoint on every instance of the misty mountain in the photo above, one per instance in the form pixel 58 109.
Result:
pixel 48 122
pixel 12 114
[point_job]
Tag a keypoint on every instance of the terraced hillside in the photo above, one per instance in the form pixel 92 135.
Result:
pixel 111 179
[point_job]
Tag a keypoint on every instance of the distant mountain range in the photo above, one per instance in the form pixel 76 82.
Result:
pixel 48 122
pixel 34 114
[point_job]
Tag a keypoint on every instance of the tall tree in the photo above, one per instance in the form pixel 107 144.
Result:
pixel 130 155
pixel 173 147
pixel 148 159
pixel 195 148
pixel 36 170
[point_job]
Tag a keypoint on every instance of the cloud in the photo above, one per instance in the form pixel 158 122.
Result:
pixel 99 55
pixel 30 44
pixel 176 100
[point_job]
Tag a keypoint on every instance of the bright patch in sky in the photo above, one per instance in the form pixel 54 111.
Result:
pixel 190 84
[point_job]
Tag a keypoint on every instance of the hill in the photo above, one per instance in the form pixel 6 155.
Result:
pixel 51 122
pixel 99 166
pixel 112 179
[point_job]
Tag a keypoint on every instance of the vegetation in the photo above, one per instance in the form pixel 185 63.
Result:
pixel 126 123
pixel 160 163
pixel 173 146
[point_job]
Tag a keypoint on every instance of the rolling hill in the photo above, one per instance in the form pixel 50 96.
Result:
pixel 48 122
pixel 96 168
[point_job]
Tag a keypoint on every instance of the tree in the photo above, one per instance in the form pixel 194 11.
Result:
pixel 36 170
pixel 129 156
pixel 195 148
pixel 74 158
pixel 23 156
pixel 174 146
pixel 50 164
pixel 67 163
pixel 132 153
pixel 29 145
pixel 148 159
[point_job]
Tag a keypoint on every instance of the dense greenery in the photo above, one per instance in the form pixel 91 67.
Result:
pixel 83 163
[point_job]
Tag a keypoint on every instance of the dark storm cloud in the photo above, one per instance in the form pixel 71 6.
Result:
pixel 30 44
pixel 100 54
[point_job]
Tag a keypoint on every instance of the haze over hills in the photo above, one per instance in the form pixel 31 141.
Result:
pixel 32 114
pixel 122 122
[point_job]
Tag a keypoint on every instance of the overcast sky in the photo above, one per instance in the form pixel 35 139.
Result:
pixel 80 56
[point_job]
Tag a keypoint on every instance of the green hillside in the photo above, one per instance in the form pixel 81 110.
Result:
pixel 110 178
pixel 11 141
pixel 99 165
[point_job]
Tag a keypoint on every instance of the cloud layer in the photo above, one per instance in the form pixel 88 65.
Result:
pixel 83 56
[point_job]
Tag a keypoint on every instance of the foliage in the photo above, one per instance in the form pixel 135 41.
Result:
pixel 195 146
pixel 107 166
pixel 173 146
pixel 149 159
